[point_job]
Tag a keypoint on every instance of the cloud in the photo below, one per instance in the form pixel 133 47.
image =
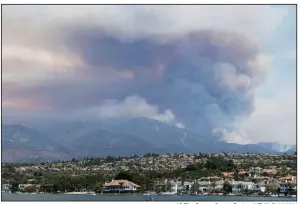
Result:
pixel 232 135
pixel 274 119
pixel 257 22
pixel 204 63
pixel 133 107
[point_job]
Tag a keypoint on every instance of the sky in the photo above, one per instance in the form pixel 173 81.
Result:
pixel 224 71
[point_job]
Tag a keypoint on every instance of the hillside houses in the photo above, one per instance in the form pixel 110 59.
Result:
pixel 200 172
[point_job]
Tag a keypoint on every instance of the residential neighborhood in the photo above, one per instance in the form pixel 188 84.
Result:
pixel 201 173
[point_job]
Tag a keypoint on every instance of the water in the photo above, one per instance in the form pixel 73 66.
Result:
pixel 50 197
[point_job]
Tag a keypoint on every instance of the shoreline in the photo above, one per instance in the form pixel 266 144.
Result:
pixel 141 194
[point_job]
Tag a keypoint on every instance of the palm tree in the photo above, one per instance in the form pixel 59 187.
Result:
pixel 168 187
pixel 240 186
pixel 283 171
pixel 195 187
pixel 213 185
pixel 99 187
pixel 236 175
pixel 227 188
pixel 121 186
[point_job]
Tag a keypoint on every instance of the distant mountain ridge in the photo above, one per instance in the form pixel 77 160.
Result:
pixel 20 143
pixel 137 136
pixel 278 147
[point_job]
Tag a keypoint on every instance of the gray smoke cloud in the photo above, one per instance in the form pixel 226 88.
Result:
pixel 198 63
pixel 207 78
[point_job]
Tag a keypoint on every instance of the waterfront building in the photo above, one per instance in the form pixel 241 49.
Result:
pixel 120 186
pixel 6 188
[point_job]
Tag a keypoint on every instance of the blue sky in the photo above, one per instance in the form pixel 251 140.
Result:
pixel 282 45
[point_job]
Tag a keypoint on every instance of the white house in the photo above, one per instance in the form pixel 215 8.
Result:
pixel 238 186
pixel 120 186
pixel 176 186
pixel 23 187
pixel 207 184
pixel 187 185
pixel 256 170
pixel 6 187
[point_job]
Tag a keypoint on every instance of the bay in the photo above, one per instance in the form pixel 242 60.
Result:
pixel 55 197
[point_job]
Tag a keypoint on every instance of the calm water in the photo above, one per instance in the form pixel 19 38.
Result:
pixel 48 197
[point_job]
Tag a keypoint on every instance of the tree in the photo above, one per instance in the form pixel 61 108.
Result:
pixel 278 190
pixel 241 187
pixel 10 168
pixel 210 165
pixel 269 189
pixel 213 185
pixel 98 187
pixel 227 187
pixel 265 174
pixel 283 171
pixel 236 175
pixel 168 187
pixel 195 187
pixel 14 187
pixel 191 167
pixel 289 188
pixel 123 175
pixel 231 166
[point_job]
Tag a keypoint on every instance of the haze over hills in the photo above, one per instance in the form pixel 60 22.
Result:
pixel 20 143
pixel 137 136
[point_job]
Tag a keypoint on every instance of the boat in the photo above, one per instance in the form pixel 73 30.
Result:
pixel 292 196
pixel 80 193
pixel 168 193
pixel 149 194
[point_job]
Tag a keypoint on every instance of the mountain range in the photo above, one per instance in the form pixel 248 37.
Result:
pixel 137 136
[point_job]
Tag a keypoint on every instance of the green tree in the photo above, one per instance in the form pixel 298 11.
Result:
pixel 213 186
pixel 195 187
pixel 124 175
pixel 168 186
pixel 227 187
pixel 14 187
pixel 240 187
pixel 236 175
pixel 278 190
pixel 283 171
pixel 99 187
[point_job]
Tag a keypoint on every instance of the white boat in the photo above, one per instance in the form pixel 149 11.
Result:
pixel 168 193
pixel 80 193
pixel 149 194
pixel 292 196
